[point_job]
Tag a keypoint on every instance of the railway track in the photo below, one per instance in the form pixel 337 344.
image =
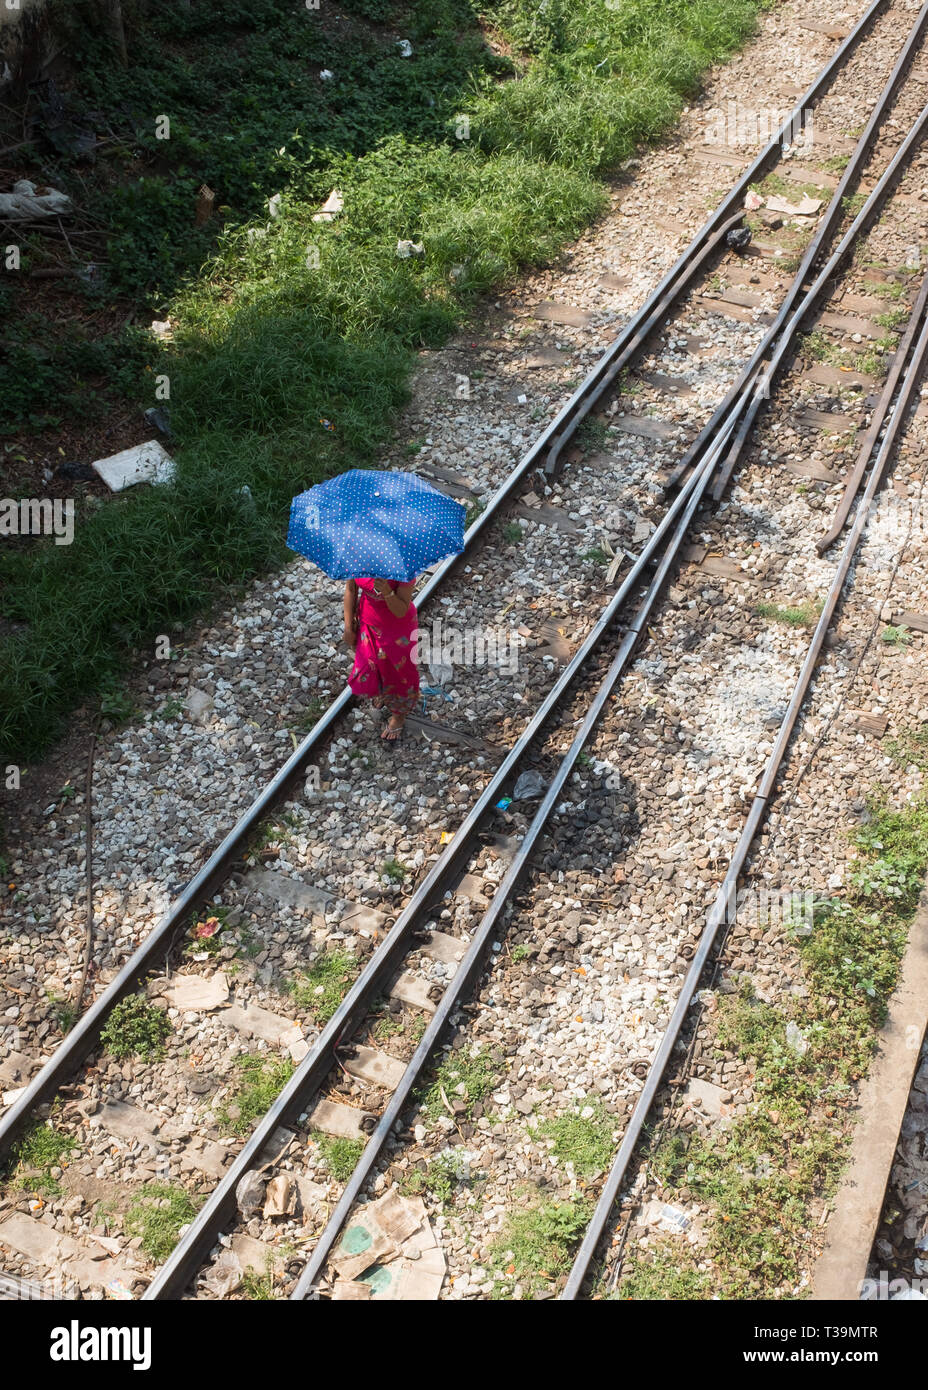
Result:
pixel 605 652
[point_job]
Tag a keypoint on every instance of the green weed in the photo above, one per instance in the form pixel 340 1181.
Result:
pixel 157 1215
pixel 321 989
pixel 341 1155
pixel 262 1078
pixel 535 1246
pixel 136 1028
pixel 580 1138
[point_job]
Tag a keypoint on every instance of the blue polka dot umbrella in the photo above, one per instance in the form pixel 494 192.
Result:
pixel 369 524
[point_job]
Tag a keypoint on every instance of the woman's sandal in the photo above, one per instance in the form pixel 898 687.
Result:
pixel 391 735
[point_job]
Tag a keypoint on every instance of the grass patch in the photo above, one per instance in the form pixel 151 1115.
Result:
pixel 491 162
pixel 808 1055
pixel 37 1153
pixel 592 434
pixel 795 615
pixel 341 1155
pixel 596 556
pixel 261 1079
pixel 259 1286
pixel 661 1277
pixel 394 869
pixel 321 989
pixel 463 1078
pixel 136 1028
pixel 157 1215
pixel 536 1245
pixel 910 748
pixel 582 1136
pixel 440 1179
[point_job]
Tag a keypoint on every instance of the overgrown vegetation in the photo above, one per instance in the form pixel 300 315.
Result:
pixel 760 1175
pixel 341 1155
pixel 910 749
pixel 582 1136
pixel 37 1153
pixel 793 615
pixel 321 989
pixel 536 1246
pixel 136 1028
pixel 464 1079
pixel 157 1215
pixel 490 162
pixel 262 1076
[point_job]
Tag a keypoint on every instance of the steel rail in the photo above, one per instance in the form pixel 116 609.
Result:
pixel 311 1072
pixel 870 207
pixel 727 892
pixel 826 224
pixel 852 486
pixel 476 949
pixel 85 1035
pixel 580 407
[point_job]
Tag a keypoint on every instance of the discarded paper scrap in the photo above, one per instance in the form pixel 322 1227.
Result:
pixel 804 208
pixel 391 1249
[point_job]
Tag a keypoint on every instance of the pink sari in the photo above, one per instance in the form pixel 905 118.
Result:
pixel 383 663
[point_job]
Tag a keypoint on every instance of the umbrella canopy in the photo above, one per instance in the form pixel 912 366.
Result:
pixel 374 524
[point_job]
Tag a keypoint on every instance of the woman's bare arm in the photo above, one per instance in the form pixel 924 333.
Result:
pixel 398 600
pixel 350 608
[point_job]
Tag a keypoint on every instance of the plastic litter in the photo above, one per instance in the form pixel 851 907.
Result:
pixel 330 208
pixel 796 1039
pixel 504 804
pixel 158 417
pixel 529 785
pixel 405 249
pixel 76 472
pixel 117 1288
pixel 224 1276
pixel 405 48
pixel 249 1194
pixel 738 238
pixel 29 201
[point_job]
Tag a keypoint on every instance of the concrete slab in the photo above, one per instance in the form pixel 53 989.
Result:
pixel 545 357
pixel 126 1121
pixel 447 949
pixel 413 990
pixel 16 1069
pixel 261 1023
pixel 379 1068
pixel 849 1235
pixel 52 1249
pixel 211 1160
pixel 143 463
pixel 341 1121
pixel 198 994
pixel 291 892
pixel 646 427
pixel 567 314
pixel 472 887
pixel 703 1095
pixel 366 921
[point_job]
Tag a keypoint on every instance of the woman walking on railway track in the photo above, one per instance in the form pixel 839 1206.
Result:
pixel 380 624
pixel 391 524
